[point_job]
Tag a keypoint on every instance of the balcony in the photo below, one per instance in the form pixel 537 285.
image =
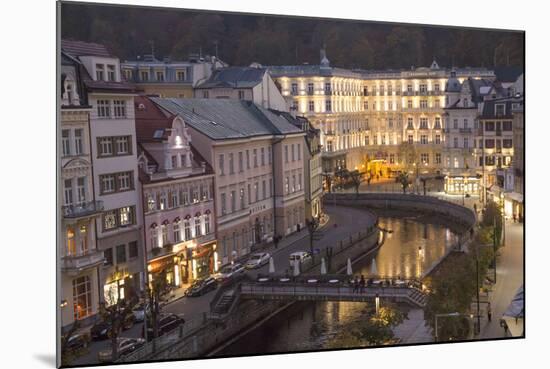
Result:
pixel 83 209
pixel 74 264
pixel 465 130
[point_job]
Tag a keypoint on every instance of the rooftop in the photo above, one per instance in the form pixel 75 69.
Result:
pixel 81 48
pixel 234 77
pixel 222 119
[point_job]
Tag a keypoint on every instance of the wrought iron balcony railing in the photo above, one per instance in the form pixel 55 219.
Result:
pixel 82 209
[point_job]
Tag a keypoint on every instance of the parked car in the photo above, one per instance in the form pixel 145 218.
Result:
pixel 102 329
pixel 201 286
pixel 229 271
pixel 299 256
pixel 125 346
pixel 166 324
pixel 257 260
pixel 139 312
pixel 77 341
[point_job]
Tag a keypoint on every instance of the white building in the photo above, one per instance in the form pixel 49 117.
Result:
pixel 364 116
pixel 80 211
pixel 115 175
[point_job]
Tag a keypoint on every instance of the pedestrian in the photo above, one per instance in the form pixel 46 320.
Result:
pixel 475 209
pixel 356 285
pixel 514 217
pixel 362 283
pixel 489 312
pixel 505 329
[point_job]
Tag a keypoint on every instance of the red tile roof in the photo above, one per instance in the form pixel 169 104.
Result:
pixel 81 48
pixel 149 119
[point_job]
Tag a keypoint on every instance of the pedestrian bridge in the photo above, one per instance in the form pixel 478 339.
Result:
pixel 312 288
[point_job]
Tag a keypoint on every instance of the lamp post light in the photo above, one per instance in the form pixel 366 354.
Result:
pixel 63 304
pixel 503 219
pixel 377 304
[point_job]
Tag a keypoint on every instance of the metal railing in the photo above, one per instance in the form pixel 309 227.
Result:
pixel 82 209
pixel 80 261
pixel 162 342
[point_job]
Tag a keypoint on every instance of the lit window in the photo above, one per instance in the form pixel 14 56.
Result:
pixel 82 297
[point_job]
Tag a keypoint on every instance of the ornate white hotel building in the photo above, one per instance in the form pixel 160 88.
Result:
pixel 365 116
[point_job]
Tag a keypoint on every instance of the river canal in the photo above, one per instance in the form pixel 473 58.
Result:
pixel 409 250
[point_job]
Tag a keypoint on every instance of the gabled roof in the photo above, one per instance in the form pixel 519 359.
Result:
pixel 151 122
pixel 76 49
pixel 234 77
pixel 81 48
pixel 222 119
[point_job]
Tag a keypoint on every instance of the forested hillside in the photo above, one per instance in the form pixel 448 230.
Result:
pixel 242 39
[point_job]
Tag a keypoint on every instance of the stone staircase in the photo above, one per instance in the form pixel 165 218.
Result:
pixel 224 303
pixel 418 297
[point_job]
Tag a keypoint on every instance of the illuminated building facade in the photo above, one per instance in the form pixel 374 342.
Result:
pixel 366 116
pixel 257 157
pixel 461 125
pixel 177 195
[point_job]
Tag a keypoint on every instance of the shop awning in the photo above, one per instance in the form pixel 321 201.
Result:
pixel 514 196
pixel 513 316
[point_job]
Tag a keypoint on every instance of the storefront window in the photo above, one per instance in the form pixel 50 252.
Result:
pixel 113 291
pixel 82 297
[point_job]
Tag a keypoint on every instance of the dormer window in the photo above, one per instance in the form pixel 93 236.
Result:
pixel 500 110
pixel 111 73
pixel 144 76
pixel 465 103
pixel 100 72
pixel 180 75
pixel 69 91
pixel 128 74
pixel 160 76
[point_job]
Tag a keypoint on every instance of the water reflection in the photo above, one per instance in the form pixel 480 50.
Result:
pixel 412 248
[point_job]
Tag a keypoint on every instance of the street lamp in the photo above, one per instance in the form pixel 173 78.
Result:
pixel 63 304
pixel 503 219
pixel 377 303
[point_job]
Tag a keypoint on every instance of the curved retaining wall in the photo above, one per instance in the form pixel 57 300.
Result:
pixel 410 202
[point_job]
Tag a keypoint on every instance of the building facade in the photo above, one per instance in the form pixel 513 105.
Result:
pixel 167 78
pixel 243 83
pixel 366 116
pixel 495 149
pixel 80 212
pixel 519 157
pixel 177 191
pixel 257 158
pixel 461 124
pixel 115 175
